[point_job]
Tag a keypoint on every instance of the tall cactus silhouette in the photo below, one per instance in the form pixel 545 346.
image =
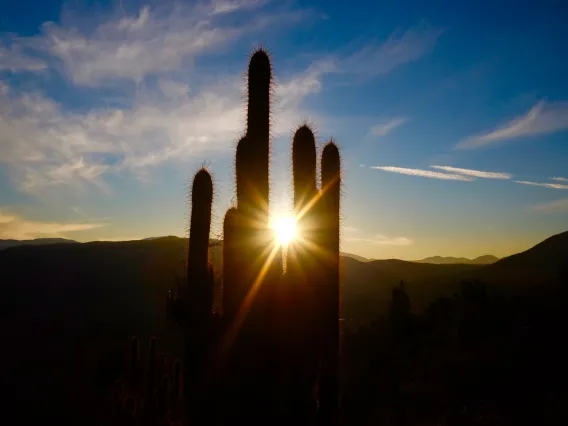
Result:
pixel 331 295
pixel 278 338
pixel 199 327
pixel 200 286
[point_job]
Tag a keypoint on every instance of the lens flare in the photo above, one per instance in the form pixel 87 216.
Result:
pixel 284 228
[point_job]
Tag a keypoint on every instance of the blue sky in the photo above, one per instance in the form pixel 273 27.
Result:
pixel 452 118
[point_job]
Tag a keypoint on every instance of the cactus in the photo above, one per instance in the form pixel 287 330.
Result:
pixel 330 296
pixel 199 285
pixel 305 193
pixel 198 325
pixel 232 295
pixel 178 380
pixel 152 366
pixel 135 362
pixel 252 265
pixel 279 333
pixel 128 404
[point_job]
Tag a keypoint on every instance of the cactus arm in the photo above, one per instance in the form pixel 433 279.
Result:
pixel 330 209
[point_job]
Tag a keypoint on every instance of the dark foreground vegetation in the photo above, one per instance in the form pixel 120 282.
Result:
pixel 475 358
pixel 483 354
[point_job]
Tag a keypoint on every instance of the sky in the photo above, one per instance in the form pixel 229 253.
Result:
pixel 452 118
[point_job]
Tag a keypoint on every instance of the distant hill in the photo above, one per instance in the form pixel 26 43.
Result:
pixel 4 244
pixel 355 256
pixel 117 270
pixel 366 283
pixel 157 238
pixel 83 302
pixel 544 263
pixel 439 260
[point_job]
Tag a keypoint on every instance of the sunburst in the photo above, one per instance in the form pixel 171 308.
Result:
pixel 284 229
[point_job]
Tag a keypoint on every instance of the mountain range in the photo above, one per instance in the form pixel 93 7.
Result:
pixel 480 260
pixel 4 244
pixel 74 307
pixel 438 260
pixel 144 269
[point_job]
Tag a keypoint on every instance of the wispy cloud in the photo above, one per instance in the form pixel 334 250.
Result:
pixel 475 173
pixel 170 116
pixel 88 217
pixel 423 173
pixel 349 229
pixel 383 240
pixel 355 235
pixel 44 144
pixel 542 118
pixel 15 227
pixel 172 89
pixel 557 206
pixel 289 92
pixel 155 40
pixel 14 59
pixel 383 129
pixel 227 6
pixel 381 58
pixel 546 185
pixel 559 179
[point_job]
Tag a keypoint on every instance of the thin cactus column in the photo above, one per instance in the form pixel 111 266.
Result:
pixel 303 279
pixel 331 296
pixel 198 326
pixel 232 292
pixel 305 195
pixel 199 286
pixel 252 264
pixel 249 223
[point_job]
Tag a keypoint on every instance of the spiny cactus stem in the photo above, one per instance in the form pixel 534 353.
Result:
pixel 259 81
pixel 199 289
pixel 329 383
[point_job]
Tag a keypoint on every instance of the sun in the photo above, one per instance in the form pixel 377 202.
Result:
pixel 284 228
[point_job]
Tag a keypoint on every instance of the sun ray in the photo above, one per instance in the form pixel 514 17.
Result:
pixel 314 199
pixel 284 232
pixel 243 310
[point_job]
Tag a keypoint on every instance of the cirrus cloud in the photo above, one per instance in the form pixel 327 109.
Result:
pixel 44 146
pixel 156 40
pixel 14 59
pixel 382 240
pixel 227 6
pixel 545 185
pixel 475 173
pixel 556 206
pixel 542 118
pixel 386 127
pixel 44 143
pixel 16 227
pixel 375 58
pixel 47 143
pixel 423 173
